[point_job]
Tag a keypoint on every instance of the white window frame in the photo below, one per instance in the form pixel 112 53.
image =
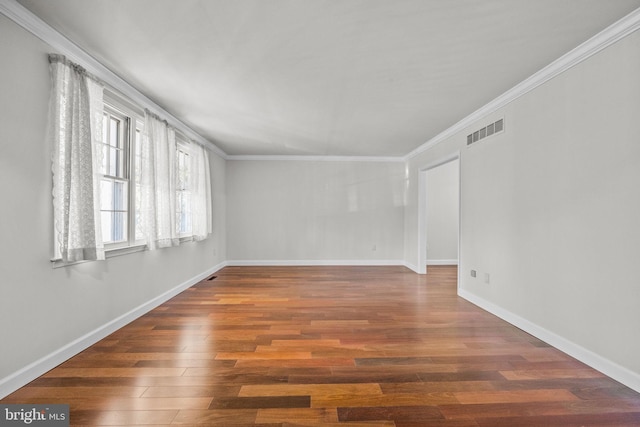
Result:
pixel 182 145
pixel 124 178
pixel 135 122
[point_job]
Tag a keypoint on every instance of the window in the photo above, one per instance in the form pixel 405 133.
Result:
pixel 120 175
pixel 137 174
pixel 114 184
pixel 122 178
pixel 183 190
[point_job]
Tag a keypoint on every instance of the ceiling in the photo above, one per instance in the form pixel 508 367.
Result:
pixel 326 77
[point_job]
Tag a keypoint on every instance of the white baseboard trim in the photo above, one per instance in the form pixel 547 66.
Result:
pixel 442 262
pixel 315 262
pixel 411 267
pixel 32 371
pixel 619 373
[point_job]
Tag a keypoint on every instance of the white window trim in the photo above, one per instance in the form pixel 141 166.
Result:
pixel 134 117
pixel 126 171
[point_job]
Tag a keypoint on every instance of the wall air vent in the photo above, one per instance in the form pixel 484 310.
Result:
pixel 486 131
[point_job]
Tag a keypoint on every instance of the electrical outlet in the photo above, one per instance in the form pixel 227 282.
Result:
pixel 473 273
pixel 486 278
pixel 374 248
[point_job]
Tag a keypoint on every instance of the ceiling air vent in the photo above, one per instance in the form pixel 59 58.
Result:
pixel 486 131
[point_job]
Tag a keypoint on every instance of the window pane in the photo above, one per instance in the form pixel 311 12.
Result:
pixel 137 177
pixel 103 158
pixel 114 226
pixel 106 195
pixel 114 132
pixel 186 223
pixel 179 225
pixel 118 165
pixel 113 154
pixel 183 201
pixel 183 174
pixel 138 157
pixel 120 226
pixel 114 161
pixel 138 221
pixel 107 226
pixel 183 195
pixel 120 196
pixel 113 195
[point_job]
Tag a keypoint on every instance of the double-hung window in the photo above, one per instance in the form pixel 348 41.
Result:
pixel 117 185
pixel 115 182
pixel 183 189
pixel 119 169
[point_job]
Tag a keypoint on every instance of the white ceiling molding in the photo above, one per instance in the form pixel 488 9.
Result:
pixel 600 41
pixel 317 158
pixel 30 22
pixel 42 30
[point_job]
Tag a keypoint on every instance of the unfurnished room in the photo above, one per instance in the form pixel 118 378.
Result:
pixel 320 212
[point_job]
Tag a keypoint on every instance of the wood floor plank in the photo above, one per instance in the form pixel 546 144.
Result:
pixel 550 373
pixel 322 390
pixel 180 391
pixel 261 402
pixel 244 355
pixel 236 417
pixel 472 397
pixel 122 418
pixel 321 416
pixel 328 346
pixel 422 413
pixel 627 419
pixel 523 409
pixel 315 423
pixel 382 401
pixel 436 387
pixel 115 372
pixel 70 392
pixel 295 363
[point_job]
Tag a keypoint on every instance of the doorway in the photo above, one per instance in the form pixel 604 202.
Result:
pixel 439 213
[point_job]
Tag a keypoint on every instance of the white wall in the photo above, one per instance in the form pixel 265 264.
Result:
pixel 443 184
pixel 315 210
pixel 550 209
pixel 44 309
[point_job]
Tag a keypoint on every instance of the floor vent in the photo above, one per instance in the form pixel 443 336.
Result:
pixel 212 278
pixel 492 129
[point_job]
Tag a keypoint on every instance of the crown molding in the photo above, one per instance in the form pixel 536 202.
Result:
pixel 39 28
pixel 610 35
pixel 315 158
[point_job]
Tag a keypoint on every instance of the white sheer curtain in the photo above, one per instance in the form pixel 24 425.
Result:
pixel 201 192
pixel 75 124
pixel 158 183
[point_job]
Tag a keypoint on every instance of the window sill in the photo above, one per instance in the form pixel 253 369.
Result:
pixel 108 253
pixel 117 251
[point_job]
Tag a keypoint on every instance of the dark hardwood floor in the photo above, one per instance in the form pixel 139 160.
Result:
pixel 296 346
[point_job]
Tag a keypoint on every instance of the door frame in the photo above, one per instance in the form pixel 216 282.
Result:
pixel 422 207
